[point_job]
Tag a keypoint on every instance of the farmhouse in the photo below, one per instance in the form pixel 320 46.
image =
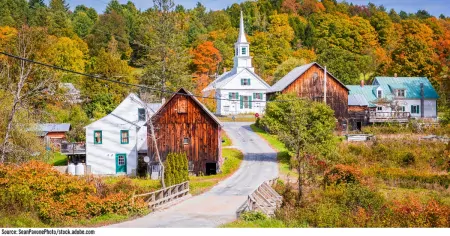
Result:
pixel 240 90
pixel 393 99
pixel 183 124
pixel 114 142
pixel 311 81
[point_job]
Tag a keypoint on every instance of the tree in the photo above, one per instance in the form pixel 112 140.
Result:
pixel 206 58
pixel 82 24
pixel 23 81
pixel 285 67
pixel 306 128
pixel 167 67
pixel 342 64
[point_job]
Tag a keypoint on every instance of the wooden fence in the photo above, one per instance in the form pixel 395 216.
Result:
pixel 161 198
pixel 264 199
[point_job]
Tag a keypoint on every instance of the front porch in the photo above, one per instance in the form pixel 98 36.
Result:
pixel 394 116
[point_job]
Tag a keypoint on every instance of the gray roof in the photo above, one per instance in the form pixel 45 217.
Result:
pixel 357 100
pixel 154 107
pixel 288 79
pixel 53 127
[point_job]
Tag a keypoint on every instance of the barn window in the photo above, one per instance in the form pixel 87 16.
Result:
pixel 98 137
pixel 124 137
pixel 191 166
pixel 182 105
pixel 185 141
pixel 315 77
pixel 141 114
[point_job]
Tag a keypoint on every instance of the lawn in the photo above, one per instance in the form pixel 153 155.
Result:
pixel 57 159
pixel 283 155
pixel 227 141
pixel 201 184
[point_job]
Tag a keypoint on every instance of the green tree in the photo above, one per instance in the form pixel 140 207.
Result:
pixel 168 60
pixel 82 24
pixel 342 64
pixel 306 128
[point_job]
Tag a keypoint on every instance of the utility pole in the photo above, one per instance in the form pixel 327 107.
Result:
pixel 325 86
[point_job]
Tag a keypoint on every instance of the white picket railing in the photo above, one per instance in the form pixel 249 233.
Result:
pixel 162 197
pixel 264 199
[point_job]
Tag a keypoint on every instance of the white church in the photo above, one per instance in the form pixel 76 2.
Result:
pixel 240 90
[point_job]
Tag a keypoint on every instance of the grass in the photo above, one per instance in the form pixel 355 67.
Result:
pixel 22 220
pixel 283 155
pixel 58 159
pixel 238 118
pixel 201 184
pixel 267 223
pixel 227 141
pixel 144 185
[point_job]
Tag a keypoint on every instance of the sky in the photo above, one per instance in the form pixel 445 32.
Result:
pixel 434 7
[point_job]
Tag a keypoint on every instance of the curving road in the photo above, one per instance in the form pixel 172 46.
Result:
pixel 219 205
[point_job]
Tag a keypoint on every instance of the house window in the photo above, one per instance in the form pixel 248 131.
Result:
pixel 124 137
pixel 415 109
pixel 185 141
pixel 401 93
pixel 182 105
pixel 191 166
pixel 244 51
pixel 234 96
pixel 98 137
pixel 141 114
pixel 402 108
pixel 245 81
pixel 379 93
pixel 379 108
pixel 257 96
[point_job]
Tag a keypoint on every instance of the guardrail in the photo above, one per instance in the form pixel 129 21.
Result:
pixel 264 199
pixel 163 197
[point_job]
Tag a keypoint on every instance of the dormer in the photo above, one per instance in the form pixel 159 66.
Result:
pixel 379 93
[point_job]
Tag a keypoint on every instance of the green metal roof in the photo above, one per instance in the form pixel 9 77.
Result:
pixel 367 91
pixel 410 84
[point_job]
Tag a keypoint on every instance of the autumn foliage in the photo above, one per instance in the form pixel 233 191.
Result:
pixel 60 198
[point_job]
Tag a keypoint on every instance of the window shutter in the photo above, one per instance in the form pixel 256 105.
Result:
pixel 237 95
pixel 242 102
pixel 242 81
pixel 254 95
pixel 230 96
pixel 248 81
pixel 250 102
pixel 261 96
pixel 412 109
pixel 418 109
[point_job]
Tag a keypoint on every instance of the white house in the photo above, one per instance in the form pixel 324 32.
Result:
pixel 391 97
pixel 240 90
pixel 114 142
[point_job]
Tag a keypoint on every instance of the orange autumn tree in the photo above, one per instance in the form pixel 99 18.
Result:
pixel 206 59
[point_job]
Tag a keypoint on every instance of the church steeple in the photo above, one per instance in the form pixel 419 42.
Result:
pixel 242 58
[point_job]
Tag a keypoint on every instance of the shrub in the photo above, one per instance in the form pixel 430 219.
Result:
pixel 409 159
pixel 253 216
pixel 57 198
pixel 176 169
pixel 341 174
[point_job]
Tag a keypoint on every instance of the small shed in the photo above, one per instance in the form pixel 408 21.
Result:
pixel 53 133
pixel 184 125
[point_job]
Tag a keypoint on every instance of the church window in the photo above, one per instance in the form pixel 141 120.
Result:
pixel 245 81
pixel 244 51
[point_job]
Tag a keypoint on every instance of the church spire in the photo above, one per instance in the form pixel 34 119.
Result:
pixel 242 58
pixel 242 38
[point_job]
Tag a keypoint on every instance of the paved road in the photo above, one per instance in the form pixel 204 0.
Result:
pixel 219 205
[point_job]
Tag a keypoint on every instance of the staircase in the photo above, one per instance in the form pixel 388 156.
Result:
pixel 264 199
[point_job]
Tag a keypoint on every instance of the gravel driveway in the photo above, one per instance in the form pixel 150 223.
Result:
pixel 219 205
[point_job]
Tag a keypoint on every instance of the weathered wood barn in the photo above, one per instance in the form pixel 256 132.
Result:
pixel 183 124
pixel 309 81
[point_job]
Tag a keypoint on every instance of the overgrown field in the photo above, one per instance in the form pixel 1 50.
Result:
pixel 33 194
pixel 400 182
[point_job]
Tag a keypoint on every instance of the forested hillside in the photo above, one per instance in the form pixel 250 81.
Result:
pixel 169 46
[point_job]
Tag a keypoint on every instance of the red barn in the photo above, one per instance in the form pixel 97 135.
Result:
pixel 183 124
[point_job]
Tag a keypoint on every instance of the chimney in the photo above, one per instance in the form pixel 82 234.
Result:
pixel 163 100
pixel 362 83
pixel 395 75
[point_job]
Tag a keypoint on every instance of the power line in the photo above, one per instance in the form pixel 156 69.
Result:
pixel 128 84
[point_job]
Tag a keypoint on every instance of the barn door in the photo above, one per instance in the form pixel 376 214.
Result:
pixel 121 163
